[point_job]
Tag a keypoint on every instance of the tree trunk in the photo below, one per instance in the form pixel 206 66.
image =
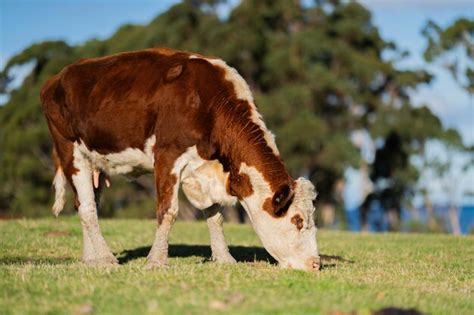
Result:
pixel 393 220
pixel 414 213
pixel 432 224
pixel 328 214
pixel 454 219
pixel 186 211
pixel 231 214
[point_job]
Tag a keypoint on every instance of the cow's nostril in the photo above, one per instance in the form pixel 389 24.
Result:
pixel 314 263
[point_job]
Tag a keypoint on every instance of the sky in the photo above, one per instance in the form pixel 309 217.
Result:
pixel 401 21
pixel 23 22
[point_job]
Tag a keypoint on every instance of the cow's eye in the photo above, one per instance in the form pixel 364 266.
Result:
pixel 298 221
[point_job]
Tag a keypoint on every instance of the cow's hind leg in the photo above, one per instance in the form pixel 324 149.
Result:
pixel 89 255
pixel 220 251
pixel 96 251
pixel 72 165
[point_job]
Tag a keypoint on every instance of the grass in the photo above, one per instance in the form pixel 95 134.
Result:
pixel 41 272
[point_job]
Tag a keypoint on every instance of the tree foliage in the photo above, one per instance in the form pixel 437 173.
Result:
pixel 443 42
pixel 316 70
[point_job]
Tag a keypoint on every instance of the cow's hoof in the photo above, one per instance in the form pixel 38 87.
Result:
pixel 155 264
pixel 227 259
pixel 105 261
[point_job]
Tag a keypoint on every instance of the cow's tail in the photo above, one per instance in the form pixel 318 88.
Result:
pixel 59 184
pixel 53 99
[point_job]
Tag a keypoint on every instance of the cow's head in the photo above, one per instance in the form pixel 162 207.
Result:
pixel 282 219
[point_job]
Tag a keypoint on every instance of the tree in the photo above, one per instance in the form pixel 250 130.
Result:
pixel 442 43
pixel 453 46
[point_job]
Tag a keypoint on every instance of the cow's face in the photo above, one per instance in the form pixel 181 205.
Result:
pixel 287 230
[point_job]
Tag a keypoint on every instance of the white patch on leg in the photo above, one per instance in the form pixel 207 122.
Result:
pixel 59 184
pixel 242 90
pixel 82 180
pixel 88 252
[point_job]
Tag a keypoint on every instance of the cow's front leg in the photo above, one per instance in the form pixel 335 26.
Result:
pixel 168 167
pixel 158 256
pixel 96 251
pixel 220 251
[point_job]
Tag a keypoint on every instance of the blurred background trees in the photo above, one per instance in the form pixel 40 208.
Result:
pixel 443 43
pixel 320 76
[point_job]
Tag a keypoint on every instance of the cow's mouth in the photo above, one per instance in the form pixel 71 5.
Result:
pixel 312 264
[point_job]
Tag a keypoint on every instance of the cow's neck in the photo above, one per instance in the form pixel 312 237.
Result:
pixel 244 143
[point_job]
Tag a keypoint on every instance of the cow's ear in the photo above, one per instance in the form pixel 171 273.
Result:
pixel 174 72
pixel 239 185
pixel 281 200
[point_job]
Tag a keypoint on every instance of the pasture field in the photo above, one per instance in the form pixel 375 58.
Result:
pixel 41 272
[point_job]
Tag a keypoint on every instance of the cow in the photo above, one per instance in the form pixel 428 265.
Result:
pixel 192 121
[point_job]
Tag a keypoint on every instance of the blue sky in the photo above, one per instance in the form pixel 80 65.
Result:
pixel 23 22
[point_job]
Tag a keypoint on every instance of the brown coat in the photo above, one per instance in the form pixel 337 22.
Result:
pixel 117 102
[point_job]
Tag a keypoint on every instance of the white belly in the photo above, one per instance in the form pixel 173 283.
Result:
pixel 204 182
pixel 128 161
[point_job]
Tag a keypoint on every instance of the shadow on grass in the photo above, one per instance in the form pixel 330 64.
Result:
pixel 21 260
pixel 240 253
pixel 396 311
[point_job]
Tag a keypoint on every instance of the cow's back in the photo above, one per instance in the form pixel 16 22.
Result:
pixel 117 102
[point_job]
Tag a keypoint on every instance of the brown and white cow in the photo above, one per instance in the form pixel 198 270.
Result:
pixel 190 119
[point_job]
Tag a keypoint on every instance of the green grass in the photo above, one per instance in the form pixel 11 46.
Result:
pixel 41 272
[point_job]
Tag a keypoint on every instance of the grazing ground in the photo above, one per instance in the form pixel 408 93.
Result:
pixel 41 272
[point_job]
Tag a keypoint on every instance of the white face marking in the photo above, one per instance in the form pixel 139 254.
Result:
pixel 281 238
pixel 243 92
pixel 122 162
